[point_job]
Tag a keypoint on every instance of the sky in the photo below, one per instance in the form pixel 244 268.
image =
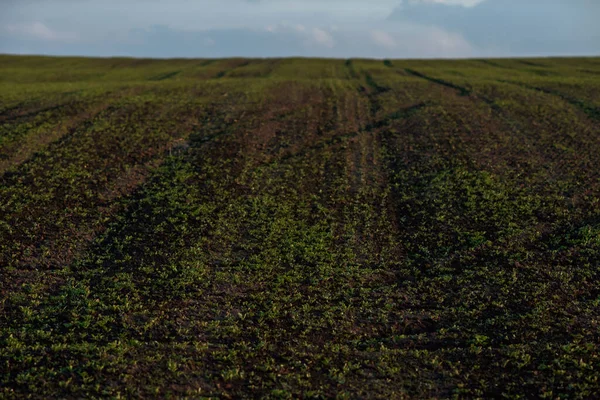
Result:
pixel 309 28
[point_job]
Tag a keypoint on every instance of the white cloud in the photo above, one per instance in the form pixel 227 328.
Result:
pixel 404 41
pixel 39 30
pixel 447 44
pixel 285 26
pixel 464 3
pixel 323 37
pixel 310 36
pixel 383 39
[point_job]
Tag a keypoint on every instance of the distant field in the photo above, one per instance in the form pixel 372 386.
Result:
pixel 299 228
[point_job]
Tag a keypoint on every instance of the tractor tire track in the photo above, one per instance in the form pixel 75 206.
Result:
pixel 591 111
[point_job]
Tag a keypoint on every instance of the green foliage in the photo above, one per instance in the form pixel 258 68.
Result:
pixel 299 228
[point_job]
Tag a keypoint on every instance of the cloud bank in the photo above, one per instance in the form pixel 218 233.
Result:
pixel 320 28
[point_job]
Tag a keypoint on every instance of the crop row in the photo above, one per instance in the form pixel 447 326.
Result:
pixel 316 228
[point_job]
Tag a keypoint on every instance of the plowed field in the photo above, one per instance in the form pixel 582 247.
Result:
pixel 299 228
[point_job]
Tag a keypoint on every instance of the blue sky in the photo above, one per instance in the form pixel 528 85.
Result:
pixel 320 28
